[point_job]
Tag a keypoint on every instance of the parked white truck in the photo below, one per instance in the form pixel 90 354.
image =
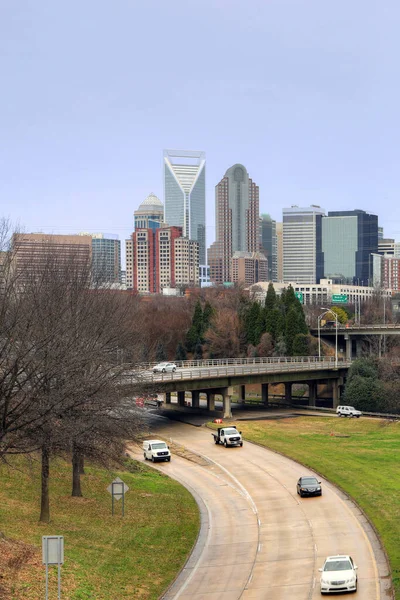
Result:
pixel 228 436
pixel 155 450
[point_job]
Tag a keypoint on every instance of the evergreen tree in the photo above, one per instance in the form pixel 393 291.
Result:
pixel 207 316
pixel 180 352
pixel 251 324
pixel 191 338
pixel 197 320
pixel 270 298
pixel 198 351
pixel 160 353
pixel 292 329
pixel 300 345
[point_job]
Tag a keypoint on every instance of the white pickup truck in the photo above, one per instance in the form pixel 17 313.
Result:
pixel 156 450
pixel 228 436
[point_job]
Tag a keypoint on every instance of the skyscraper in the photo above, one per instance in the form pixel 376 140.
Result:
pixel 236 219
pixel 161 258
pixel 349 238
pixel 106 257
pixel 150 214
pixel 302 249
pixel 269 245
pixel 185 195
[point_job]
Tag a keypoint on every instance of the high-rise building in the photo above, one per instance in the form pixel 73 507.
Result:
pixel 237 221
pixel 348 240
pixel 301 240
pixel 106 257
pixel 279 253
pixel 380 233
pixel 33 251
pixel 269 245
pixel 185 195
pixel 150 214
pixel 249 267
pixel 386 272
pixel 386 245
pixel 161 258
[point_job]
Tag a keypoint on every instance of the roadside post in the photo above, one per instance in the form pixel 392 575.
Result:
pixel 118 489
pixel 53 554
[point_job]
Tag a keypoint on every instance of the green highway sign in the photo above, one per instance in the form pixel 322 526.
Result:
pixel 339 298
pixel 299 296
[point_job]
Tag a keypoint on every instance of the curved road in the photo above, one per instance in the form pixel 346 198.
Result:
pixel 259 539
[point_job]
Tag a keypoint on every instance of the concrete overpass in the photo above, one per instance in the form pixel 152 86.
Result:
pixel 354 338
pixel 218 377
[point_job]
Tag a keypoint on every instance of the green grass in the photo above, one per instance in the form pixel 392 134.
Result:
pixel 365 464
pixel 106 557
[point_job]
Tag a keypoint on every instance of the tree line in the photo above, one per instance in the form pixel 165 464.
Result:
pixel 61 334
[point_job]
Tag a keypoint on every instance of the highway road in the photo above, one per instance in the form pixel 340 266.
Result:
pixel 259 539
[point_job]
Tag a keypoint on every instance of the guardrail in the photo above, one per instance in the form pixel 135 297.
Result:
pixel 265 360
pixel 254 368
pixel 359 327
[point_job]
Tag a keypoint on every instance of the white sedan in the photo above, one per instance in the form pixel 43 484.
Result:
pixel 338 575
pixel 164 367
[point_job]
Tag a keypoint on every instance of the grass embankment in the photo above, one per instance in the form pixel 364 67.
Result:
pixel 365 464
pixel 105 557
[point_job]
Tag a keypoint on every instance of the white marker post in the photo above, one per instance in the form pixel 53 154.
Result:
pixel 53 554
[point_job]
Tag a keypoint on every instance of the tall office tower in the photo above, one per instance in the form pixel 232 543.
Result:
pixel 349 238
pixel 380 233
pixel 386 245
pixel 269 245
pixel 237 221
pixel 249 267
pixel 185 195
pixel 161 258
pixel 106 257
pixel 279 251
pixel 150 214
pixel 302 251
pixel 33 250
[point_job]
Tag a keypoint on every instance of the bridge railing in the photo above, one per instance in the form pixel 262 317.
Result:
pixel 250 367
pixel 264 360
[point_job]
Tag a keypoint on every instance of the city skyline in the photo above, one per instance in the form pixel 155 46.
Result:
pixel 305 101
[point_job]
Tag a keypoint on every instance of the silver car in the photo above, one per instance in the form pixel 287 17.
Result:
pixel 164 367
pixel 339 574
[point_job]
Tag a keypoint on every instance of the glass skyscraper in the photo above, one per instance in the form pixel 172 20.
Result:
pixel 349 238
pixel 185 195
pixel 269 245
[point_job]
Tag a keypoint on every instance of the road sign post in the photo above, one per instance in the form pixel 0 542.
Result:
pixel 118 489
pixel 53 554
pixel 339 298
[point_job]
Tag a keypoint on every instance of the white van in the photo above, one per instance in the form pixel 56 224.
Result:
pixel 348 411
pixel 156 450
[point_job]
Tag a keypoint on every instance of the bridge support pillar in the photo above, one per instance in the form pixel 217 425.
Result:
pixel 226 400
pixel 288 392
pixel 167 397
pixel 195 399
pixel 312 393
pixel 335 392
pixel 264 393
pixel 181 398
pixel 242 395
pixel 210 401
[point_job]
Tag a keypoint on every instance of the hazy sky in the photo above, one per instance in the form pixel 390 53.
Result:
pixel 304 93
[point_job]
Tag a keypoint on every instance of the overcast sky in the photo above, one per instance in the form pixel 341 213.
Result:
pixel 304 93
